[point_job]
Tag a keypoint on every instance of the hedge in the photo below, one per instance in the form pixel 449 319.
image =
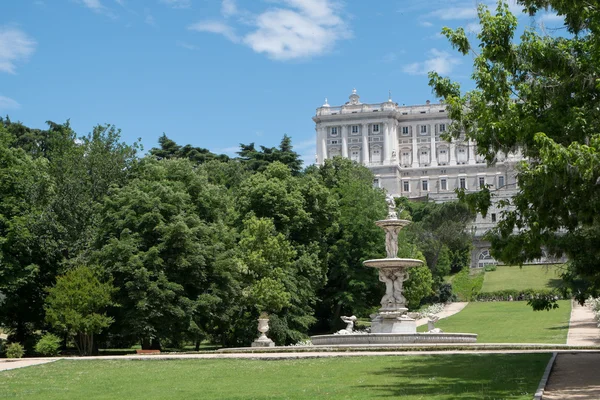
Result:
pixel 519 295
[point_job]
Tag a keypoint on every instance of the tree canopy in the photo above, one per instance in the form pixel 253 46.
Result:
pixel 538 94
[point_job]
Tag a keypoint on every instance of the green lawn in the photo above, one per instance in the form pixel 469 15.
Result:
pixel 510 322
pixel 527 277
pixel 463 376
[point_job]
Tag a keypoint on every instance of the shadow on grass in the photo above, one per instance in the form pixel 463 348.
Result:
pixel 474 377
pixel 555 283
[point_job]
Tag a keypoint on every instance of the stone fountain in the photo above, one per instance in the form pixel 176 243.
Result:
pixel 392 325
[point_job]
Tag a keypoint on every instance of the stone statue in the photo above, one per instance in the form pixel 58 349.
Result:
pixel 391 206
pixel 349 325
pixel 391 242
pixel 431 324
pixel 393 298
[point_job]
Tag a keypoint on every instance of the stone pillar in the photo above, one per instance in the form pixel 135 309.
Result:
pixel 394 143
pixel 324 149
pixel 386 144
pixel 452 154
pixel 434 162
pixel 415 150
pixel 471 152
pixel 365 146
pixel 345 141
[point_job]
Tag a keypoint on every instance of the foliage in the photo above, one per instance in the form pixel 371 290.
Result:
pixel 48 345
pixel 258 160
pixel 76 306
pixel 509 322
pixel 490 268
pixel 169 149
pixel 537 95
pixel 351 289
pixel 466 286
pixel 418 286
pixel 519 295
pixel 434 377
pixel 163 242
pixel 594 305
pixel 440 231
pixel 14 350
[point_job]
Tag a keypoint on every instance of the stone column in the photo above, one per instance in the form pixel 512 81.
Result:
pixel 471 152
pixel 434 162
pixel 324 150
pixel 452 154
pixel 415 150
pixel 365 146
pixel 386 144
pixel 345 141
pixel 394 143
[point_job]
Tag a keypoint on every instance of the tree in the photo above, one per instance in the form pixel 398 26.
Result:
pixel 162 240
pixel 351 287
pixel 441 232
pixel 76 306
pixel 541 96
pixel 258 160
pixel 169 149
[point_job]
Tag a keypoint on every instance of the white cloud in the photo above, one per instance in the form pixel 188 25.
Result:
pixel 186 45
pixel 15 46
pixel 215 27
pixel 98 7
pixel 229 8
pixel 177 3
pixel 8 104
pixel 439 61
pixel 451 13
pixel 120 2
pixel 295 29
pixel 426 24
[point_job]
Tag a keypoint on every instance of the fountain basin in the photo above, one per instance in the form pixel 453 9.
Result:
pixel 375 339
pixel 396 223
pixel 393 263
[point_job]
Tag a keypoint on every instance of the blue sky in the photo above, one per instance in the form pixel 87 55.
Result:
pixel 216 73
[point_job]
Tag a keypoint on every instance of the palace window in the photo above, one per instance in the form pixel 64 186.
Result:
pixel 423 128
pixel 376 182
pixel 500 181
pixel 481 182
pixel 334 142
pixel 425 185
pixel 442 127
pixel 354 128
pixel 405 130
pixel 333 130
pixel 493 217
pixel 406 186
pixel 462 183
pixel 444 184
pixel 355 155
pixel 375 127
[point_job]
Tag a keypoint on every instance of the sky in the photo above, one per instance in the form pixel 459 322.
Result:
pixel 217 73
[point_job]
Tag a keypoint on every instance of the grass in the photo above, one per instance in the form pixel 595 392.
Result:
pixel 510 322
pixel 437 377
pixel 527 277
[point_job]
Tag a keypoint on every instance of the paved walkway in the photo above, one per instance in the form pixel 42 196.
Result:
pixel 583 328
pixel 26 362
pixel 574 376
pixel 449 309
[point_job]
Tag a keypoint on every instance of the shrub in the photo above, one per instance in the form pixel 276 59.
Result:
pixel 48 345
pixel 14 350
pixel 519 295
pixel 490 268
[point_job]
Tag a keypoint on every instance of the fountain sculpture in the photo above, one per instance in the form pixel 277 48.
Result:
pixel 392 325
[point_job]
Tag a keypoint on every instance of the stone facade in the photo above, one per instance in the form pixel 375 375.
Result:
pixel 402 146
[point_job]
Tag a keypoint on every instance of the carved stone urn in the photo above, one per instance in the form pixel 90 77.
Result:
pixel 263 328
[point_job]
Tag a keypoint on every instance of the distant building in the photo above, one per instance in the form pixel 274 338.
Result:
pixel 402 146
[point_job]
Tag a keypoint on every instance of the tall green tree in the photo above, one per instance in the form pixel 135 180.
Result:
pixel 258 160
pixel 170 149
pixel 76 306
pixel 539 94
pixel 162 240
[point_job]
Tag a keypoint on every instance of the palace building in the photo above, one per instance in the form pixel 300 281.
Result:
pixel 402 146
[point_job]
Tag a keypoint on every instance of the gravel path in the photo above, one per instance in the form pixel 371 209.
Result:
pixel 583 328
pixel 449 309
pixel 574 376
